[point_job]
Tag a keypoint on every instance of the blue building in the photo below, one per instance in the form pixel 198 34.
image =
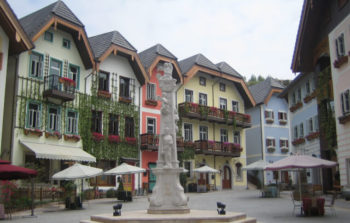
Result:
pixel 268 138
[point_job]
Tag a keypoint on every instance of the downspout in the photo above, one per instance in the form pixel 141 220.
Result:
pixel 14 116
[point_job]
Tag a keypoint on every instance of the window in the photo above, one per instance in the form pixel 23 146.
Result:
pixel 310 124
pixel 151 91
pixel 74 74
pixel 151 125
pixel 203 132
pixel 223 104
pixel 66 43
pixel 103 81
pixel 202 81
pixel 113 128
pixel 299 94
pixel 237 138
pixel 48 36
pixel 222 87
pixel 345 102
pixel 301 130
pixel 294 100
pixel 33 115
pixel 53 119
pixel 296 132
pixel 282 117
pixel 188 95
pixel 124 87
pixel 308 87
pixel 223 135
pixel 316 123
pixel 55 67
pixel 188 132
pixel 96 122
pixel 340 46
pixel 239 171
pixel 270 143
pixel 129 127
pixel 235 106
pixel 72 122
pixel 269 115
pixel 202 99
pixel 36 65
pixel 283 143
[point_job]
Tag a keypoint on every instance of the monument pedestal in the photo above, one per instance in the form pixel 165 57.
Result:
pixel 168 196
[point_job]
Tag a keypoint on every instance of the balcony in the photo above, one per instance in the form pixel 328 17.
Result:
pixel 59 89
pixel 209 147
pixel 213 114
pixel 151 142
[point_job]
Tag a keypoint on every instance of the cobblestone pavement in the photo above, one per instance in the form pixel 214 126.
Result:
pixel 247 201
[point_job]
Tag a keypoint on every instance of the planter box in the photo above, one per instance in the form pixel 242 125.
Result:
pixel 125 99
pixel 35 132
pixel 151 102
pixel 296 107
pixel 271 149
pixel 298 141
pixel 312 136
pixel 72 137
pixel 53 135
pixel 344 119
pixel 341 61
pixel 104 94
pixel 284 150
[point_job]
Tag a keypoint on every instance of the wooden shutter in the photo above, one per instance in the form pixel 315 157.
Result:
pixel 267 142
pixel 46 64
pixel 266 114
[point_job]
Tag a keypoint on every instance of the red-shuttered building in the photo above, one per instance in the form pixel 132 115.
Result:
pixel 151 58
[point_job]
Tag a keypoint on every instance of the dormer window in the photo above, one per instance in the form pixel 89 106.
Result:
pixel 66 43
pixel 202 81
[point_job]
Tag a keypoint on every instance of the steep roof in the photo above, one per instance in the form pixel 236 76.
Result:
pixel 198 59
pixel 227 69
pixel 102 42
pixel 35 21
pixel 158 53
pixel 59 15
pixel 261 90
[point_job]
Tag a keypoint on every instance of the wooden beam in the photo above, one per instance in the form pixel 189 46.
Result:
pixel 45 27
pixel 273 90
pixel 173 62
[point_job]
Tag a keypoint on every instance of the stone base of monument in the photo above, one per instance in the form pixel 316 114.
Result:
pixel 195 216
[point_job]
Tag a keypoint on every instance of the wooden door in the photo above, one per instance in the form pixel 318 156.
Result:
pixel 226 180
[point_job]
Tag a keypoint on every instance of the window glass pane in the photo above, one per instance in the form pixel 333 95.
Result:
pixel 151 126
pixel 188 132
pixel 124 87
pixel 223 104
pixel 235 106
pixel 223 135
pixel 55 67
pixel 202 99
pixel 203 133
pixel 188 96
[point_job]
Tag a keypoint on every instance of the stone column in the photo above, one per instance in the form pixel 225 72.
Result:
pixel 167 195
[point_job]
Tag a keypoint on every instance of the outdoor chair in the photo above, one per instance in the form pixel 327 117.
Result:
pixel 330 204
pixel 296 202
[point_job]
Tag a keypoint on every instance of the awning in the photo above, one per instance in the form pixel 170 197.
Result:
pixel 58 152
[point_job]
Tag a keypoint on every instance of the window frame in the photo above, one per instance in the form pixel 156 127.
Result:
pixel 301 130
pixel 104 86
pixel 60 67
pixel 237 137
pixel 190 132
pixel 154 125
pixel 129 127
pixel 97 117
pixel 203 131
pixel 223 135
pixel 48 33
pixel 31 65
pixel 153 89
pixel 340 46
pixel 200 99
pixel 220 100
pixel 202 81
pixel 296 132
pixel 65 40
pixel 58 118
pixel 192 95
pixel 113 124
pixel 270 142
pixel 222 87
pixel 236 106
pixel 284 141
pixel 76 122
pixel 269 115
pixel 124 89
pixel 345 102
pixel 38 118
pixel 70 75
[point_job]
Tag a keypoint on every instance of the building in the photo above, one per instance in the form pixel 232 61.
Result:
pixel 150 109
pixel 113 106
pixel 47 92
pixel 13 41
pixel 268 138
pixel 310 95
pixel 339 51
pixel 212 103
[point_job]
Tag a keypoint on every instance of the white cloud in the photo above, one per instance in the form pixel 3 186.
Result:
pixel 253 36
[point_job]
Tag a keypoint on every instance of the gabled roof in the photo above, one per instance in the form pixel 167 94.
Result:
pixel 227 69
pixel 158 53
pixel 198 59
pixel 199 63
pixel 113 42
pixel 19 41
pixel 263 90
pixel 60 16
pixel 295 81
pixel 102 42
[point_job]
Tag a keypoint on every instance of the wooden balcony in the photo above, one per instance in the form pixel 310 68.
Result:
pixel 150 142
pixel 58 90
pixel 213 114
pixel 209 147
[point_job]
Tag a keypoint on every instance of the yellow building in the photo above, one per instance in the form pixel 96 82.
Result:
pixel 212 104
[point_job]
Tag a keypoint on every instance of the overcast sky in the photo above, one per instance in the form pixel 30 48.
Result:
pixel 253 36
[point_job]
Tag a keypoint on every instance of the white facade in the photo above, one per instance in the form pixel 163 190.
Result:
pixel 341 84
pixel 4 48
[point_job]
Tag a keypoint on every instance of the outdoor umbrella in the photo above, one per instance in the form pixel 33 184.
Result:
pixel 300 162
pixel 77 171
pixel 12 172
pixel 258 165
pixel 124 168
pixel 206 169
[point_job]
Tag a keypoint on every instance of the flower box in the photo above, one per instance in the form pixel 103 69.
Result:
pixel 104 94
pixel 298 141
pixel 151 102
pixel 269 120
pixel 113 138
pixel 125 99
pixel 71 137
pixel 310 97
pixel 36 132
pixel 312 136
pixel 53 134
pixel 282 121
pixel 130 140
pixel 271 149
pixel 344 119
pixel 284 150
pixel 97 136
pixel 189 144
pixel 237 147
pixel 296 106
pixel 67 81
pixel 341 61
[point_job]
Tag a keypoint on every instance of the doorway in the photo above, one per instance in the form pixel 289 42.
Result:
pixel 151 177
pixel 227 177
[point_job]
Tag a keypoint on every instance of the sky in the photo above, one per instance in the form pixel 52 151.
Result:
pixel 253 36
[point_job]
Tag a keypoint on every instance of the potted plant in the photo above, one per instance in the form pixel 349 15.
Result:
pixel 97 136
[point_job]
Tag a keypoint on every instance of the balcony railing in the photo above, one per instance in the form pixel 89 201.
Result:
pixel 151 142
pixel 213 114
pixel 210 147
pixel 59 89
